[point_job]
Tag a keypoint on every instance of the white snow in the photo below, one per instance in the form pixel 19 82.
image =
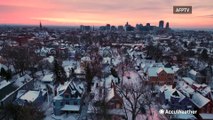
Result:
pixel 4 83
pixel 20 93
pixel 154 71
pixel 61 88
pixel 188 80
pixel 184 116
pixel 58 97
pixel 47 78
pixel 193 72
pixel 75 108
pixel 199 100
pixel 206 116
pixel 50 59
pixel 110 94
pixel 30 96
pixel 168 92
pixel 21 80
pixel 185 89
pixel 3 66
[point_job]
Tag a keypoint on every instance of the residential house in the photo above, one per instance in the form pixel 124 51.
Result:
pixel 160 75
pixel 104 90
pixel 174 98
pixel 68 98
pixel 201 103
pixel 194 75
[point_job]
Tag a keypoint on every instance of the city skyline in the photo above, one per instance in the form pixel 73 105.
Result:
pixel 97 13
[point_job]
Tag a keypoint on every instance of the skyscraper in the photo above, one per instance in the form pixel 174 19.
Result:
pixel 40 26
pixel 167 25
pixel 161 24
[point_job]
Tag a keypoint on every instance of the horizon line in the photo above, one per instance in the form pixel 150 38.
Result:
pixel 55 25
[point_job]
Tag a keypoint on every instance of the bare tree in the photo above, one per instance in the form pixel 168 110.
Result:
pixel 135 96
pixel 22 58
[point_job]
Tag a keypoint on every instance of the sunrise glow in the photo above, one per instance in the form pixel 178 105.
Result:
pixel 101 12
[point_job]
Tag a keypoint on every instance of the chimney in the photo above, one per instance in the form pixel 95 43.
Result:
pixel 190 96
pixel 96 85
pixel 174 85
pixel 112 84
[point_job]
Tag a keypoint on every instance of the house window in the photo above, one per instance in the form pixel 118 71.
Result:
pixel 75 102
pixel 66 95
pixel 67 102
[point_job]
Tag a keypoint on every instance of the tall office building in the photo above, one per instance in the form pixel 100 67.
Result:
pixel 148 25
pixel 40 26
pixel 167 25
pixel 161 24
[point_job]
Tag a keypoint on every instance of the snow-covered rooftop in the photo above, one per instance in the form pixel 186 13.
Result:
pixel 193 72
pixel 184 116
pixel 199 100
pixel 206 116
pixel 4 83
pixel 47 78
pixel 74 108
pixel 154 71
pixel 168 92
pixel 30 96
pixel 188 80
pixel 110 94
pixel 50 59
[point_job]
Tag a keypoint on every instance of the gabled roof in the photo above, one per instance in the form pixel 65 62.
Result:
pixel 171 92
pixel 75 90
pixel 199 100
pixel 110 94
pixel 154 71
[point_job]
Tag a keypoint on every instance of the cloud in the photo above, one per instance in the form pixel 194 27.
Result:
pixel 207 16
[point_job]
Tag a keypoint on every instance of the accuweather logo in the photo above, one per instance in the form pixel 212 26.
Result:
pixel 182 9
pixel 162 111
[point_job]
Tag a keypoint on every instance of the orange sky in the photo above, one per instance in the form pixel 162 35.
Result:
pixel 101 12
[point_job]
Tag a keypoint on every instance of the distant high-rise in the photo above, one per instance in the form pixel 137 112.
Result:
pixel 161 24
pixel 85 28
pixel 108 26
pixel 148 24
pixel 167 25
pixel 139 27
pixel 127 24
pixel 120 28
pixel 40 25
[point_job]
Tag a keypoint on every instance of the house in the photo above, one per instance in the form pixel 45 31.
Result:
pixel 106 91
pixel 194 75
pixel 113 100
pixel 201 103
pixel 68 97
pixel 160 75
pixel 174 98
pixel 199 94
